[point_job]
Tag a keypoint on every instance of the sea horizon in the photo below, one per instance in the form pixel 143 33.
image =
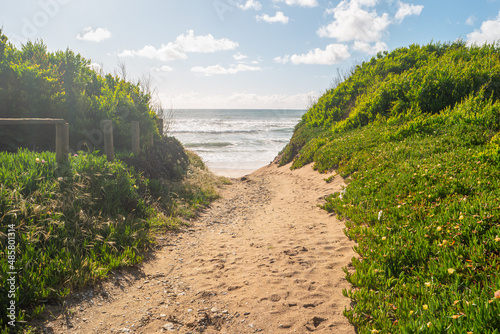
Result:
pixel 235 139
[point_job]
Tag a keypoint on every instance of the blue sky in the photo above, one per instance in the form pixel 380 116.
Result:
pixel 242 53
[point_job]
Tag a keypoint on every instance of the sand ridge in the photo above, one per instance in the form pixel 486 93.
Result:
pixel 262 258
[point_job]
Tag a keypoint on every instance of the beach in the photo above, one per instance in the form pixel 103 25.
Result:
pixel 262 258
pixel 235 142
pixel 231 173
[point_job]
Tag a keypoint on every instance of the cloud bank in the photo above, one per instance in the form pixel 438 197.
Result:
pixel 332 54
pixel 301 3
pixel 94 35
pixel 218 69
pixel 279 17
pixel 184 43
pixel 488 33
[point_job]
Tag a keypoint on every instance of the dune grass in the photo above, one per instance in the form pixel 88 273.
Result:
pixel 417 138
pixel 75 223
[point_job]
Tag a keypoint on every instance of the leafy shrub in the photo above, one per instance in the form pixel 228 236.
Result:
pixel 420 147
pixel 72 225
pixel 35 83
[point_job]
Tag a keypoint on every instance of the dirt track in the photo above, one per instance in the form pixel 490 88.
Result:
pixel 263 258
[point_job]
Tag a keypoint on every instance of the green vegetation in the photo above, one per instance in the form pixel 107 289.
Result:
pixel 65 226
pixel 416 134
pixel 62 84
pixel 75 223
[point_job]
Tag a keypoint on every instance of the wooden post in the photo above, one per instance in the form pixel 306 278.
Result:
pixel 159 124
pixel 107 129
pixel 62 142
pixel 135 137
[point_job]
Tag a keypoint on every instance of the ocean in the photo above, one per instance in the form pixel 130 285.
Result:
pixel 235 139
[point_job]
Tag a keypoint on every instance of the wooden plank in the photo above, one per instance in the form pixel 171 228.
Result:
pixel 11 121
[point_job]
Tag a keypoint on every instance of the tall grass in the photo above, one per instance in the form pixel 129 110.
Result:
pixel 72 225
pixel 75 223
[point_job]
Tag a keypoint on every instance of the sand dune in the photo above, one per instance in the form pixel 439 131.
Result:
pixel 263 258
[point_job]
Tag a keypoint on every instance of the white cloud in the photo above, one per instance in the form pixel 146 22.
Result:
pixel 282 60
pixel 218 69
pixel 239 100
pixel 488 33
pixel 165 52
pixel 354 21
pixel 239 56
pixel 250 4
pixel 471 20
pixel 94 35
pixel 301 3
pixel 204 44
pixel 406 9
pixel 163 68
pixel 369 48
pixel 333 54
pixel 279 17
pixel 183 44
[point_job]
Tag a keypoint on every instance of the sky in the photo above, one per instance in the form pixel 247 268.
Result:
pixel 249 54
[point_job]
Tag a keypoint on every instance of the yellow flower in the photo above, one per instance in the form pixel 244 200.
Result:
pixel 425 306
pixel 427 284
pixel 439 228
pixel 497 294
pixel 497 239
pixel 461 217
pixel 456 302
pixel 383 238
pixel 451 271
pixel 411 312
pixel 374 331
pixel 429 324
pixel 455 316
pixel 37 160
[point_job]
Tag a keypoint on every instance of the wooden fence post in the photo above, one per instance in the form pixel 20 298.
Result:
pixel 107 129
pixel 135 137
pixel 62 142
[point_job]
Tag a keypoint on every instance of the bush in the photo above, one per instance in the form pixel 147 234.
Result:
pixel 420 153
pixel 72 225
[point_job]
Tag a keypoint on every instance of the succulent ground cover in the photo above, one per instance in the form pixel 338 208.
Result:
pixel 415 132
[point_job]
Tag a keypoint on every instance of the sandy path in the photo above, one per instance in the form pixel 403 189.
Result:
pixel 263 258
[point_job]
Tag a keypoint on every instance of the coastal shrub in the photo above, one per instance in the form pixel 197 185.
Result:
pixel 36 83
pixel 419 149
pixel 72 225
pixel 76 222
